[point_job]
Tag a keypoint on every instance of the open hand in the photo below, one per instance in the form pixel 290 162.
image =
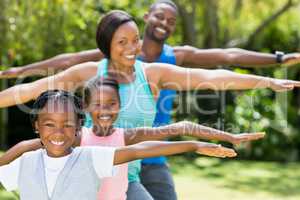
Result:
pixel 246 137
pixel 280 85
pixel 291 59
pixel 215 150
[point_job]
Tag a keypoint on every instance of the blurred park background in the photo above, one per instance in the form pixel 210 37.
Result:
pixel 33 30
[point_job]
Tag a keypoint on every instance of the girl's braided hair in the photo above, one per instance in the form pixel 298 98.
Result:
pixel 61 95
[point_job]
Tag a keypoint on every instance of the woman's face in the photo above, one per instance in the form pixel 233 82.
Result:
pixel 57 125
pixel 104 106
pixel 125 44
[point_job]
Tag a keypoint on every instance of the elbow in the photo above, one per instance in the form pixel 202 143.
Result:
pixel 186 127
pixel 231 56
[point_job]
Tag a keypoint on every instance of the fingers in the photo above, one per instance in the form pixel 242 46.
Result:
pixel 292 59
pixel 254 136
pixel 217 151
pixel 227 152
pixel 294 83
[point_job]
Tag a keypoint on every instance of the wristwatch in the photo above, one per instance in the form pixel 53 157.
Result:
pixel 279 56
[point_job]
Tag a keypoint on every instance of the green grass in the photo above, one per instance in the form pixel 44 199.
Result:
pixel 214 179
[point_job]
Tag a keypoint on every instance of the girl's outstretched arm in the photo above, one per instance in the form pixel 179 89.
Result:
pixel 186 128
pixel 20 148
pixel 25 146
pixel 157 148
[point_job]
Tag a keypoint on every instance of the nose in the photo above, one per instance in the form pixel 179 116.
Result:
pixel 164 22
pixel 59 130
pixel 132 47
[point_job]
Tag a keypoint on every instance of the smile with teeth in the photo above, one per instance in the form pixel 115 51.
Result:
pixel 130 57
pixel 163 31
pixel 58 143
pixel 105 117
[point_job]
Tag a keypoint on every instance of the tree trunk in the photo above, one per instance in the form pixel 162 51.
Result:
pixel 3 53
pixel 188 22
pixel 212 23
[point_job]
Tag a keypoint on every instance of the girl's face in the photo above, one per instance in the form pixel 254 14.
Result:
pixel 125 44
pixel 104 106
pixel 57 125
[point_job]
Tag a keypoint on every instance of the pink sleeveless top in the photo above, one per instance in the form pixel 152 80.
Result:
pixel 113 188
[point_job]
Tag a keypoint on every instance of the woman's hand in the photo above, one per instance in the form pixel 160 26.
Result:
pixel 246 137
pixel 281 85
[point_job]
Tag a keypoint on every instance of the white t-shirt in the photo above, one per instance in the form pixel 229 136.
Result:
pixel 102 157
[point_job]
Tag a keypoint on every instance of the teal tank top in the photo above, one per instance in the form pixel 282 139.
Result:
pixel 137 109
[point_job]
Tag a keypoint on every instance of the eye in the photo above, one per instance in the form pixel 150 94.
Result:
pixel 69 125
pixel 122 42
pixel 171 22
pixel 95 104
pixel 50 125
pixel 136 40
pixel 159 16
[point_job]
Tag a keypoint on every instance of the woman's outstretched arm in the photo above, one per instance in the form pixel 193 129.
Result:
pixel 68 80
pixel 167 76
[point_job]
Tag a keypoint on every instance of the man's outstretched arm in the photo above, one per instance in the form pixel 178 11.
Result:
pixel 209 58
pixel 53 65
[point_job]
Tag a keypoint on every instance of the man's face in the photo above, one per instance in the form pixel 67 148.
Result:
pixel 160 22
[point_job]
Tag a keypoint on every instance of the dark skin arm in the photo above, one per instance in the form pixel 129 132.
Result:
pixel 155 148
pixel 186 128
pixel 26 146
pixel 209 58
pixel 53 65
pixel 185 56
pixel 20 148
pixel 133 152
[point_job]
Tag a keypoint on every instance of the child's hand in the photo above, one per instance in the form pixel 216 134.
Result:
pixel 246 137
pixel 215 150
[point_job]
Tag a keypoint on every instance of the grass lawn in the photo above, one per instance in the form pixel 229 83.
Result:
pixel 213 179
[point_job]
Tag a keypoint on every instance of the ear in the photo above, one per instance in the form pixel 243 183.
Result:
pixel 36 127
pixel 146 17
pixel 85 106
pixel 139 52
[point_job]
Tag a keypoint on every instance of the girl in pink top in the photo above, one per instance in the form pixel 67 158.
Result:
pixel 112 188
